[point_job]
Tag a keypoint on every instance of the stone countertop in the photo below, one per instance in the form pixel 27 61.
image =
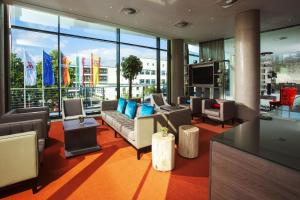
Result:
pixel 276 140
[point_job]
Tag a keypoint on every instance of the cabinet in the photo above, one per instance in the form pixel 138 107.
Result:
pixel 215 90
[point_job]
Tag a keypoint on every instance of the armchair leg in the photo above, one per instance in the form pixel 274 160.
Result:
pixel 138 154
pixel 34 185
pixel 203 119
pixel 222 124
pixel 232 121
pixel 116 135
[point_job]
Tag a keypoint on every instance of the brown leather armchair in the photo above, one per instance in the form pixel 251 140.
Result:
pixel 24 114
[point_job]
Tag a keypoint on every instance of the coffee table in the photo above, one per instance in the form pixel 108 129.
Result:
pixel 80 138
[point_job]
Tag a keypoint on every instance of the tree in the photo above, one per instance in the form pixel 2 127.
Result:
pixel 131 67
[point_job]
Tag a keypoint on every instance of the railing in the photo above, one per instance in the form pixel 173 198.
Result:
pixel 92 96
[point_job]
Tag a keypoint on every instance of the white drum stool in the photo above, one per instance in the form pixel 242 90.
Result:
pixel 188 141
pixel 163 152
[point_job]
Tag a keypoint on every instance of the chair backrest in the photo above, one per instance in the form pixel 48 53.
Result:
pixel 287 96
pixel 157 99
pixel 72 107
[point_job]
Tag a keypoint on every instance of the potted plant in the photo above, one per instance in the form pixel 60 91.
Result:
pixel 131 67
pixel 164 131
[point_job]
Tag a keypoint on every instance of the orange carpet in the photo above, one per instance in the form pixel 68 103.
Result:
pixel 115 173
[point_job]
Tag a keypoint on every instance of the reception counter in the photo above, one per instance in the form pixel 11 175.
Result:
pixel 256 160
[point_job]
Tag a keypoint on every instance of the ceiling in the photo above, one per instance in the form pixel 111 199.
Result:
pixel 208 20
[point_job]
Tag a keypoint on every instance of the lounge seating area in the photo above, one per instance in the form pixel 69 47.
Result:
pixel 156 99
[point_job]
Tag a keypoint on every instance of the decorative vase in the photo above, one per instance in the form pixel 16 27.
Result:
pixel 81 120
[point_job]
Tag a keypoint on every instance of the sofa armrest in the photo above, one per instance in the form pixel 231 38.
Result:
pixel 182 99
pixel 19 154
pixel 18 117
pixel 196 105
pixel 227 110
pixel 109 105
pixel 144 127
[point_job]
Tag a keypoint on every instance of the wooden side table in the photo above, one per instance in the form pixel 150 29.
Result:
pixel 163 152
pixel 188 141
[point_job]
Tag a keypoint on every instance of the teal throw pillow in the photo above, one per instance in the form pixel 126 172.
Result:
pixel 131 109
pixel 146 110
pixel 121 105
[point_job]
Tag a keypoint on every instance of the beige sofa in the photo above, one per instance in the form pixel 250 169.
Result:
pixel 138 131
pixel 21 152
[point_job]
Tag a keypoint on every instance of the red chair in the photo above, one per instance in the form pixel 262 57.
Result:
pixel 287 98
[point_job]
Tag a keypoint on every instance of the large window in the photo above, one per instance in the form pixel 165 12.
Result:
pixel 148 58
pixel 27 82
pixel 193 53
pixel 280 53
pixel 56 57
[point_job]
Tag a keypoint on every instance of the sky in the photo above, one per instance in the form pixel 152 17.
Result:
pixel 35 43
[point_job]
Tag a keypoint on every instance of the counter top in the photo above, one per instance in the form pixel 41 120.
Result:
pixel 275 140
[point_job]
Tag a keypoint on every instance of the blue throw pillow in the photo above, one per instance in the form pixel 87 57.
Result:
pixel 121 105
pixel 146 110
pixel 188 101
pixel 131 109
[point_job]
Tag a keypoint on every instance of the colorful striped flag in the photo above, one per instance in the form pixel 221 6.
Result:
pixel 30 74
pixel 95 67
pixel 83 64
pixel 66 74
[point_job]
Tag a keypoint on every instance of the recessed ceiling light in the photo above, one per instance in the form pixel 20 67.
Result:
pixel 226 3
pixel 182 24
pixel 110 7
pixel 128 11
pixel 282 38
pixel 189 10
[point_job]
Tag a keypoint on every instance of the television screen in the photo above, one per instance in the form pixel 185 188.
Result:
pixel 203 75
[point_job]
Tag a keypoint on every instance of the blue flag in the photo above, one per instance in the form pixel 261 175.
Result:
pixel 48 74
pixel 30 73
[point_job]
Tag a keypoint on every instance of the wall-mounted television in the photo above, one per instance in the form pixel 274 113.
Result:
pixel 203 75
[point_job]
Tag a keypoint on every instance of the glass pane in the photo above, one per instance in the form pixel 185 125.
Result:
pixel 88 71
pixel 87 29
pixel 33 19
pixel 193 59
pixel 163 43
pixel 145 83
pixel 29 89
pixel 229 67
pixel 193 49
pixel 137 38
pixel 164 73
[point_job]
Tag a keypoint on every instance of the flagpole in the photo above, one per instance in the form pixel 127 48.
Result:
pixel 43 92
pixel 24 76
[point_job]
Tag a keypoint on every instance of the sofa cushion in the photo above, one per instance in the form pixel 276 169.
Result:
pixel 146 110
pixel 131 109
pixel 216 106
pixel 127 130
pixel 212 112
pixel 121 105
